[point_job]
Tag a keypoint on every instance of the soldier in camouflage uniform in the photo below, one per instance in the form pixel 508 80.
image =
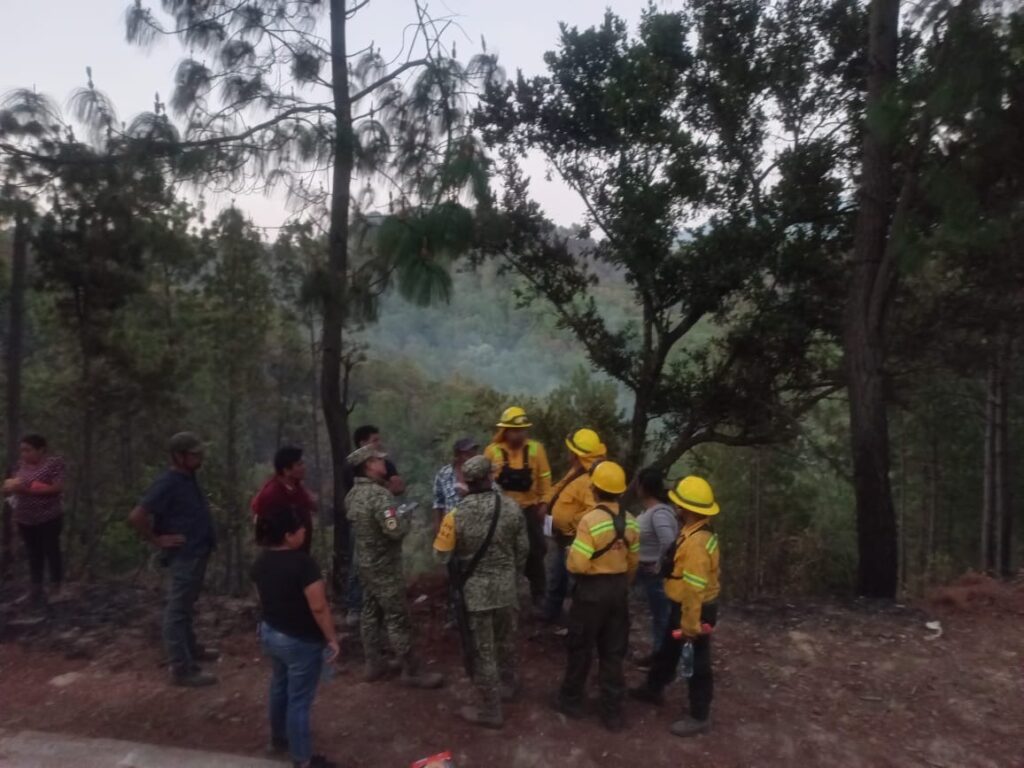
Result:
pixel 378 529
pixel 490 591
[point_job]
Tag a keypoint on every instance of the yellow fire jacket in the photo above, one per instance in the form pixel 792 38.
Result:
pixel 571 498
pixel 541 469
pixel 595 532
pixel 694 578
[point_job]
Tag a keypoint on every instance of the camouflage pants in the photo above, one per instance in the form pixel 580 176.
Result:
pixel 494 647
pixel 384 612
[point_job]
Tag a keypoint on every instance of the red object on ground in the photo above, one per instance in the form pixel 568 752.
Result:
pixel 441 760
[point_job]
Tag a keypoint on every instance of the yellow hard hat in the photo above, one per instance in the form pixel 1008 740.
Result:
pixel 586 443
pixel 695 494
pixel 514 417
pixel 609 477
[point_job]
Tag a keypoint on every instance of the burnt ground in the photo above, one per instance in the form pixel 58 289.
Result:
pixel 801 683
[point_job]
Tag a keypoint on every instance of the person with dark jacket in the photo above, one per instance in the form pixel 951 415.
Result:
pixel 297 631
pixel 174 516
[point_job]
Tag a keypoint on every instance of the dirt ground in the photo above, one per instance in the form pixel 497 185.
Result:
pixel 808 683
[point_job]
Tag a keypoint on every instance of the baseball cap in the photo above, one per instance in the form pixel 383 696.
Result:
pixel 466 444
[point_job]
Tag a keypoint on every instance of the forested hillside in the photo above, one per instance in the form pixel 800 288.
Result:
pixel 846 375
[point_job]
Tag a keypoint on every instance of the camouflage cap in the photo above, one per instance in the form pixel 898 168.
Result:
pixel 185 442
pixel 361 455
pixel 476 468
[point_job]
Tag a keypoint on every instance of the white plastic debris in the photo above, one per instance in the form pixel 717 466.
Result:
pixel 935 627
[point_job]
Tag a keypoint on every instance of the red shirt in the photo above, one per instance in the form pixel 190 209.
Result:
pixel 276 493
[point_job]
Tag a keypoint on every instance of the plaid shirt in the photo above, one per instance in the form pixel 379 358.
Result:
pixel 446 489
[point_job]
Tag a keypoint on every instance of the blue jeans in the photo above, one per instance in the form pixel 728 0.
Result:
pixel 659 605
pixel 297 665
pixel 557 586
pixel 184 581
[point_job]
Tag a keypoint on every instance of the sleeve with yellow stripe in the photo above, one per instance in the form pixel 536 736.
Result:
pixel 543 482
pixel 582 549
pixel 696 563
pixel 633 539
pixel 444 542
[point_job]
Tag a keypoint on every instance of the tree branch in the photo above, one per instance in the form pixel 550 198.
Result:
pixel 388 78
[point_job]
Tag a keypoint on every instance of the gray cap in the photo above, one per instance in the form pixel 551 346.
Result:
pixel 185 442
pixel 466 444
pixel 363 454
pixel 476 469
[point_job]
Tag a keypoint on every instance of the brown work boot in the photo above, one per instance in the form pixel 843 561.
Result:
pixel 413 675
pixel 689 727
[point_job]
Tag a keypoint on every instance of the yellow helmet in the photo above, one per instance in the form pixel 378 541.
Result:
pixel 585 443
pixel 609 477
pixel 695 494
pixel 514 417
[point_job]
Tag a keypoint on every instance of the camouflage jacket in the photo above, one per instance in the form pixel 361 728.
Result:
pixel 463 530
pixel 377 528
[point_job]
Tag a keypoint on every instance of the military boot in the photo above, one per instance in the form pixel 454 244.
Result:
pixel 413 675
pixel 509 686
pixel 375 669
pixel 488 714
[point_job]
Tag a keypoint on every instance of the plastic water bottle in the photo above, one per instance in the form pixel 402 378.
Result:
pixel 686 661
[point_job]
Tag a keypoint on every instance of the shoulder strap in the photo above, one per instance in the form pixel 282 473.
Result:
pixel 478 555
pixel 619 522
pixel 526 454
pixel 576 473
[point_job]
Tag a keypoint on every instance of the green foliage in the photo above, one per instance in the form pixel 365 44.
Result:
pixel 664 135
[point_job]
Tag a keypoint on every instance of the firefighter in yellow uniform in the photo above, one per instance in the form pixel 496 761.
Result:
pixel 691 583
pixel 571 498
pixel 603 557
pixel 522 471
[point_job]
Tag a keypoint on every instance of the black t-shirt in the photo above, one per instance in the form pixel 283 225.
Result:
pixel 281 576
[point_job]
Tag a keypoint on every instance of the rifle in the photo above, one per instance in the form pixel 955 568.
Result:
pixel 457 599
pixel 458 575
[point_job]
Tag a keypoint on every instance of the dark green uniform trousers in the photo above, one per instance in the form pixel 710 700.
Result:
pixel 599 618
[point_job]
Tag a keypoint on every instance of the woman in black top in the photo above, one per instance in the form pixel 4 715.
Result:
pixel 297 626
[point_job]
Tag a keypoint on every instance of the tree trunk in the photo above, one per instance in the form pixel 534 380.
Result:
pixel 15 345
pixel 314 420
pixel 758 581
pixel 86 522
pixel 335 409
pixel 233 565
pixel 1005 561
pixel 986 561
pixel 870 285
pixel 933 500
pixel 996 518
pixel 901 522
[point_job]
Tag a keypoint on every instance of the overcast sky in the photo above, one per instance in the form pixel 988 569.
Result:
pixel 46 45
